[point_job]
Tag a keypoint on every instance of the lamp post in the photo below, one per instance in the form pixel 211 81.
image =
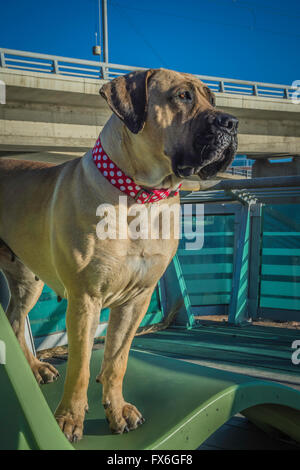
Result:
pixel 97 48
pixel 105 31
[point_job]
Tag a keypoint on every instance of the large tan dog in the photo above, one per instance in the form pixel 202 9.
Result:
pixel 164 127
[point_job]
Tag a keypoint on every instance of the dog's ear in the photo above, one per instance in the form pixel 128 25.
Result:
pixel 211 96
pixel 127 96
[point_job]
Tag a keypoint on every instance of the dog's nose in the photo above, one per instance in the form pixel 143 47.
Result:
pixel 227 121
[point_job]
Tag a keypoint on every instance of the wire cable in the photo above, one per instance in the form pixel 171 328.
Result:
pixel 139 33
pixel 198 20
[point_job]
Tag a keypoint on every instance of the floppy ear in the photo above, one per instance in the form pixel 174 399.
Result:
pixel 211 96
pixel 127 96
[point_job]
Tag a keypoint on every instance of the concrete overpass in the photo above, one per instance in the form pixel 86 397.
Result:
pixel 55 114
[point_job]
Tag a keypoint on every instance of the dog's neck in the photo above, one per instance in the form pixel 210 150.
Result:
pixel 131 153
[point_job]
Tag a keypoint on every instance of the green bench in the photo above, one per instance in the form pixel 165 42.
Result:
pixel 183 403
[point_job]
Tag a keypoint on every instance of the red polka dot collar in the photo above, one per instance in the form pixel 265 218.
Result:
pixel 125 184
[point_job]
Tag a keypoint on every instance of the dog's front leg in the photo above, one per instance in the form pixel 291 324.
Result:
pixel 82 319
pixel 123 323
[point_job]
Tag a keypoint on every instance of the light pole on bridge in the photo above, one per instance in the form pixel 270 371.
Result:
pixel 97 48
pixel 104 31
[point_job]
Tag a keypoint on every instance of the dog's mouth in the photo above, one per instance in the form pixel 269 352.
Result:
pixel 212 156
pixel 219 161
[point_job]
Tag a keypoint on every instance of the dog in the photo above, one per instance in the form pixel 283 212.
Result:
pixel 164 127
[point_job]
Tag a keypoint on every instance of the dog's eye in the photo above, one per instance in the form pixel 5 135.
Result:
pixel 185 96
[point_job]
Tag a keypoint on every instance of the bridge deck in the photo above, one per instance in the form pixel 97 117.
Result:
pixel 51 112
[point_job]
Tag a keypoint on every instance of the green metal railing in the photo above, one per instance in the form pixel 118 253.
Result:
pixel 208 271
pixel 265 278
pixel 280 261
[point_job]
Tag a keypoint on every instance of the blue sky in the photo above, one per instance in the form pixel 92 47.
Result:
pixel 246 39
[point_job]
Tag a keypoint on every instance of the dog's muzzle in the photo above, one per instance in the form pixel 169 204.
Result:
pixel 214 147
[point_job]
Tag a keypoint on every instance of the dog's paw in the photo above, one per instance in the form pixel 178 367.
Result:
pixel 126 419
pixel 71 425
pixel 44 372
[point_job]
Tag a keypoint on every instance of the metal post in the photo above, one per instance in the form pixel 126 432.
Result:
pixel 176 294
pixel 104 31
pixel 255 259
pixel 55 66
pixel 238 307
pixel 286 93
pixel 2 59
pixel 99 18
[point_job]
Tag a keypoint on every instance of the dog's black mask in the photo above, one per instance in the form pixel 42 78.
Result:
pixel 213 148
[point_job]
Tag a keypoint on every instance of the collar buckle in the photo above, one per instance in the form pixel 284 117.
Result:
pixel 143 191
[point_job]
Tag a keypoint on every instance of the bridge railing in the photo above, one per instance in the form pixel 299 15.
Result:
pixel 244 172
pixel 56 65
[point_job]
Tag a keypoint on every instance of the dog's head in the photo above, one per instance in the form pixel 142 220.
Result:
pixel 178 111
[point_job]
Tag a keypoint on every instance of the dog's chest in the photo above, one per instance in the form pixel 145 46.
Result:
pixel 140 269
pixel 147 260
pixel 142 264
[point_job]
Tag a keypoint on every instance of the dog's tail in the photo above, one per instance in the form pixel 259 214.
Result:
pixel 144 330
